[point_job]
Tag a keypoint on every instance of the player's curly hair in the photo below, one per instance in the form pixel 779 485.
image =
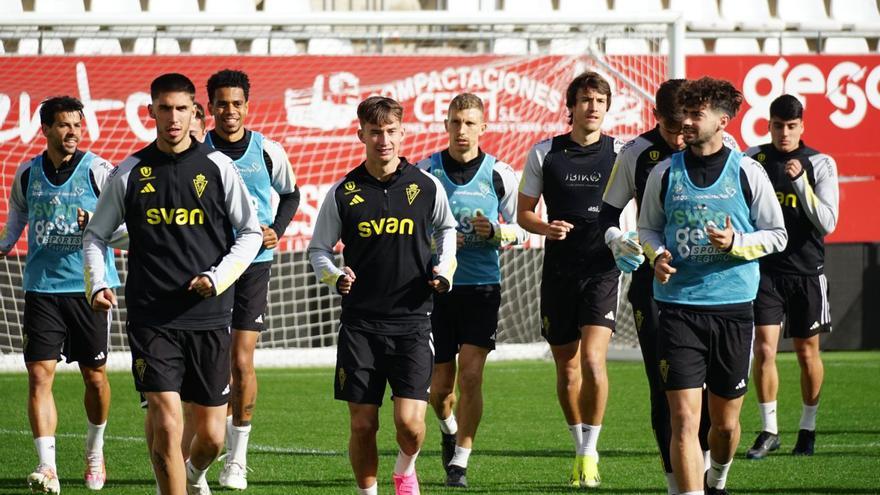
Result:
pixel 666 100
pixel 58 104
pixel 379 110
pixel 719 94
pixel 587 80
pixel 228 78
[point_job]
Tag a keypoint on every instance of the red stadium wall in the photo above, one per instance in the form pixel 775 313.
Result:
pixel 841 96
pixel 308 104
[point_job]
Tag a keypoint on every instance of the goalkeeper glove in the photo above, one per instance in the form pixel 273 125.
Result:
pixel 626 249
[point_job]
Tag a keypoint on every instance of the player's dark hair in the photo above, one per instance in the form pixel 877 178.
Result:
pixel 666 100
pixel 587 80
pixel 379 110
pixel 228 78
pixel 200 111
pixel 172 83
pixel 58 104
pixel 787 107
pixel 718 94
pixel 465 101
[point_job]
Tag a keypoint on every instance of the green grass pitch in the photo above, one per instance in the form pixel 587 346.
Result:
pixel 298 445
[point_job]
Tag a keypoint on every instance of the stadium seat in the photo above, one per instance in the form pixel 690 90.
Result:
pixel 26 46
pixel 846 46
pixel 856 14
pixel 570 46
pixel 466 6
pixel 52 46
pixel 161 46
pixel 702 15
pixel 786 46
pixel 274 46
pixel 329 46
pixel 510 46
pixel 627 46
pixel 213 46
pixel 59 6
pixel 692 46
pixel 529 7
pixel 635 7
pixel 806 15
pixel 750 15
pixel 97 46
pixel 124 7
pixel 737 46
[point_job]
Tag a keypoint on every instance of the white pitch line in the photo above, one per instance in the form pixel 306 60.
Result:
pixel 252 447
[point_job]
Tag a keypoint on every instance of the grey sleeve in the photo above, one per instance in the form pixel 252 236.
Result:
pixel 652 218
pixel 820 205
pixel 283 178
pixel 243 217
pixel 508 233
pixel 729 141
pixel 770 235
pixel 424 164
pixel 17 217
pixel 444 232
pixel 328 230
pixel 532 181
pixel 108 216
pixel 621 186
pixel 101 170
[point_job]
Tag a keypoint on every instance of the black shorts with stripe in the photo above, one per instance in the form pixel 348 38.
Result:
pixel 797 302
pixel 569 303
pixel 466 315
pixel 57 325
pixel 710 345
pixel 194 363
pixel 365 361
pixel 252 298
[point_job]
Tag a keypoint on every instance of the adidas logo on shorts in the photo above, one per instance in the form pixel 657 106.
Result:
pixel 100 356
pixel 741 384
pixel 815 325
pixel 225 390
pixel 609 315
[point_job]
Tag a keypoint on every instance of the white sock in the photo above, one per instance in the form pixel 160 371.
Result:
pixel 228 441
pixel 707 460
pixel 194 474
pixel 95 438
pixel 577 434
pixel 449 425
pixel 46 451
pixel 406 464
pixel 591 438
pixel 239 444
pixel 698 492
pixel 808 417
pixel 461 456
pixel 768 416
pixel 716 477
pixel 371 490
pixel 671 484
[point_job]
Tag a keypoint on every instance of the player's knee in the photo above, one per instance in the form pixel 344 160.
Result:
pixel 727 428
pixel 95 379
pixel 409 429
pixel 470 380
pixel 765 353
pixel 684 423
pixel 364 427
pixel 40 377
pixel 594 364
pixel 242 366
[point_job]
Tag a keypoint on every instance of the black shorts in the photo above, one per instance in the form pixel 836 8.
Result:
pixel 567 304
pixel 709 345
pixel 365 361
pixel 251 298
pixel 646 318
pixel 58 325
pixel 194 363
pixel 797 302
pixel 466 315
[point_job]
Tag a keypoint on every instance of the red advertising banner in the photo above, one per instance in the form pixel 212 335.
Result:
pixel 308 103
pixel 841 97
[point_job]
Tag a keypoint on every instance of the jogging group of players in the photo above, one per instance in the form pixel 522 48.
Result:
pixel 421 285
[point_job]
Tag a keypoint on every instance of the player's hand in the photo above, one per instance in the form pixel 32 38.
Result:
pixel 793 168
pixel 202 285
pixel 439 282
pixel 103 300
pixel 270 238
pixel 82 218
pixel 459 239
pixel 626 249
pixel 345 281
pixel 662 267
pixel 482 226
pixel 558 229
pixel 722 239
